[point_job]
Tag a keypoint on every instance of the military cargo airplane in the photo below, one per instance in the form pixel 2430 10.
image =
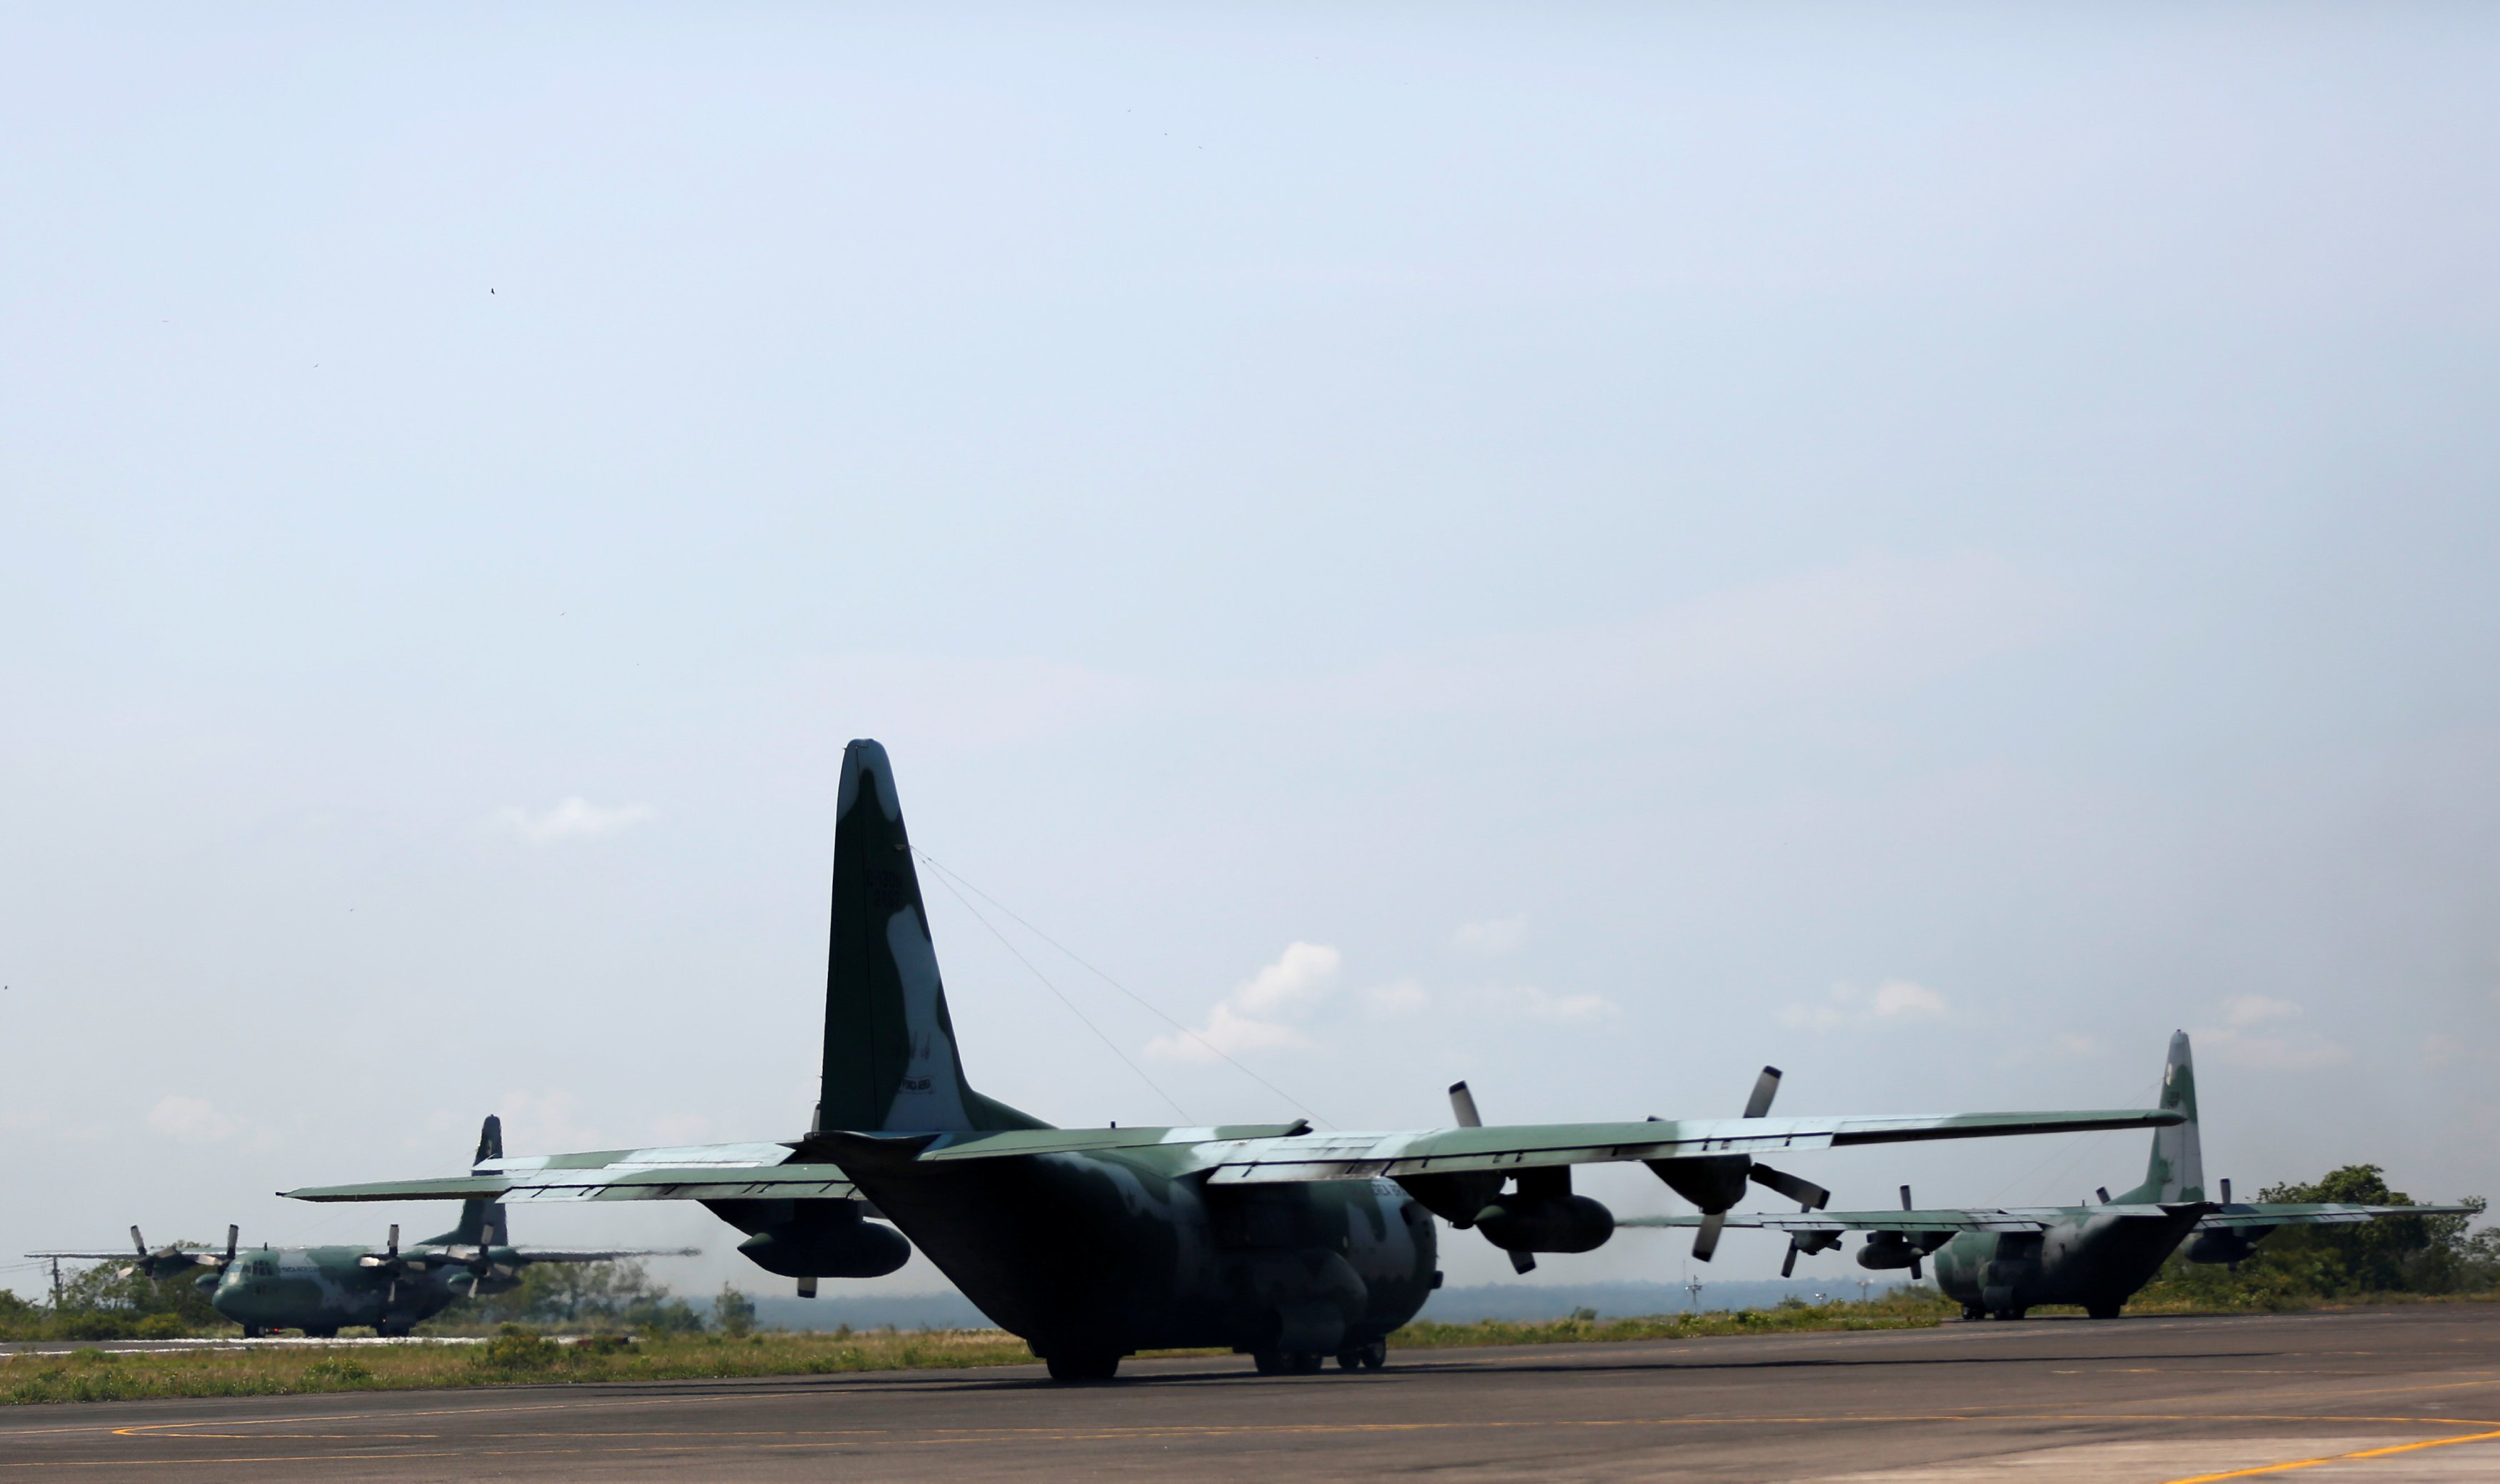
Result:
pixel 1269 1239
pixel 2000 1263
pixel 318 1290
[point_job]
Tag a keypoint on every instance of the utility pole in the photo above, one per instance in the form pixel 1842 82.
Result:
pixel 1862 1285
pixel 56 1283
pixel 1692 1287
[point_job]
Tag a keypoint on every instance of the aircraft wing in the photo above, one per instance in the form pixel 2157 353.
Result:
pixel 2315 1213
pixel 546 1255
pixel 1292 1154
pixel 1229 1155
pixel 125 1255
pixel 1833 1223
pixel 1501 1147
pixel 755 1172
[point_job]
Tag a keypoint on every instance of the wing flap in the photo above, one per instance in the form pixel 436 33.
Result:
pixel 1502 1147
pixel 1832 1223
pixel 2315 1214
pixel 702 1172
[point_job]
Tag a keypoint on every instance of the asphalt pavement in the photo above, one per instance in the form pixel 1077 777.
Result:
pixel 2383 1395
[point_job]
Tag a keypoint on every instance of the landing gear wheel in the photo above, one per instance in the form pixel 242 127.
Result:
pixel 2008 1315
pixel 2102 1310
pixel 1083 1368
pixel 252 1331
pixel 1375 1355
pixel 1972 1313
pixel 391 1331
pixel 1269 1362
pixel 326 1331
pixel 1306 1363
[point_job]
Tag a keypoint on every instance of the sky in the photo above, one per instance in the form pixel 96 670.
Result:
pixel 1586 548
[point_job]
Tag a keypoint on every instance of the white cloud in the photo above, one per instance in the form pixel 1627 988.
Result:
pixel 1874 624
pixel 543 1123
pixel 1500 935
pixel 2257 1009
pixel 685 1129
pixel 1398 996
pixel 192 1120
pixel 1254 1016
pixel 2254 1034
pixel 1529 1003
pixel 574 818
pixel 1894 1000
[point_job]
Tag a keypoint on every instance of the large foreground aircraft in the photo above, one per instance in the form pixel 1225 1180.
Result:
pixel 1999 1263
pixel 320 1290
pixel 1092 1243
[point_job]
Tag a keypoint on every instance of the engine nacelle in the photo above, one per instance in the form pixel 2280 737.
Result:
pixel 1899 1249
pixel 1524 1223
pixel 1714 1182
pixel 827 1239
pixel 2225 1247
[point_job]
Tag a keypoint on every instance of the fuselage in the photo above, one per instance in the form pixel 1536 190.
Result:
pixel 320 1289
pixel 2089 1258
pixel 1117 1252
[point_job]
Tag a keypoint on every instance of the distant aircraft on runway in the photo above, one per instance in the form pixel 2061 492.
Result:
pixel 1093 1243
pixel 318 1290
pixel 2000 1262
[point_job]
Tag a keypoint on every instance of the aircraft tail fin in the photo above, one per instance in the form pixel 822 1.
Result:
pixel 476 1216
pixel 2176 1173
pixel 890 1058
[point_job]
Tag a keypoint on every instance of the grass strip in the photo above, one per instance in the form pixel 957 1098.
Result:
pixel 518 1357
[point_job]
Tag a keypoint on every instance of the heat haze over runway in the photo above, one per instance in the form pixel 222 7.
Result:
pixel 2385 1395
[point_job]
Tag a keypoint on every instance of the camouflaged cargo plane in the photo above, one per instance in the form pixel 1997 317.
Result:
pixel 321 1290
pixel 1269 1239
pixel 1998 1263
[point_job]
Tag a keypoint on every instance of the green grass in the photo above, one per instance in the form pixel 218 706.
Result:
pixel 1902 1309
pixel 518 1357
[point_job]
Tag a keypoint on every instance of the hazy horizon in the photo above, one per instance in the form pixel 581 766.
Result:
pixel 1585 549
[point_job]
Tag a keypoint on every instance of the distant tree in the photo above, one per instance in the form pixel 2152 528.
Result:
pixel 734 1313
pixel 618 1295
pixel 2416 1254
pixel 111 1301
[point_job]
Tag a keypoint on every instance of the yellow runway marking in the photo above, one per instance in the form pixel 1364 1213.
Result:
pixel 2338 1458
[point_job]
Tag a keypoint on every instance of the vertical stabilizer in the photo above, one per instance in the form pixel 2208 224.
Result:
pixel 477 1215
pixel 2176 1169
pixel 890 1059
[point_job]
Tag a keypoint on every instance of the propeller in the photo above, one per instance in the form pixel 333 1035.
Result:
pixel 1917 1269
pixel 1463 1107
pixel 390 1259
pixel 483 1266
pixel 1808 1195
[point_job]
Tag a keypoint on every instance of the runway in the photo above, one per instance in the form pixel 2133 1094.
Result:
pixel 2386 1394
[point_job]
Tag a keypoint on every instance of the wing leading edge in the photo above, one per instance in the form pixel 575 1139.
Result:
pixel 2039 1218
pixel 1241 1154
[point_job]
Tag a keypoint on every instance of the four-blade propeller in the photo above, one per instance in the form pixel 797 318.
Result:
pixel 1808 1195
pixel 1463 1107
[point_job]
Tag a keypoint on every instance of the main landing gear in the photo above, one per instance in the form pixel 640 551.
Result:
pixel 1083 1368
pixel 1365 1355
